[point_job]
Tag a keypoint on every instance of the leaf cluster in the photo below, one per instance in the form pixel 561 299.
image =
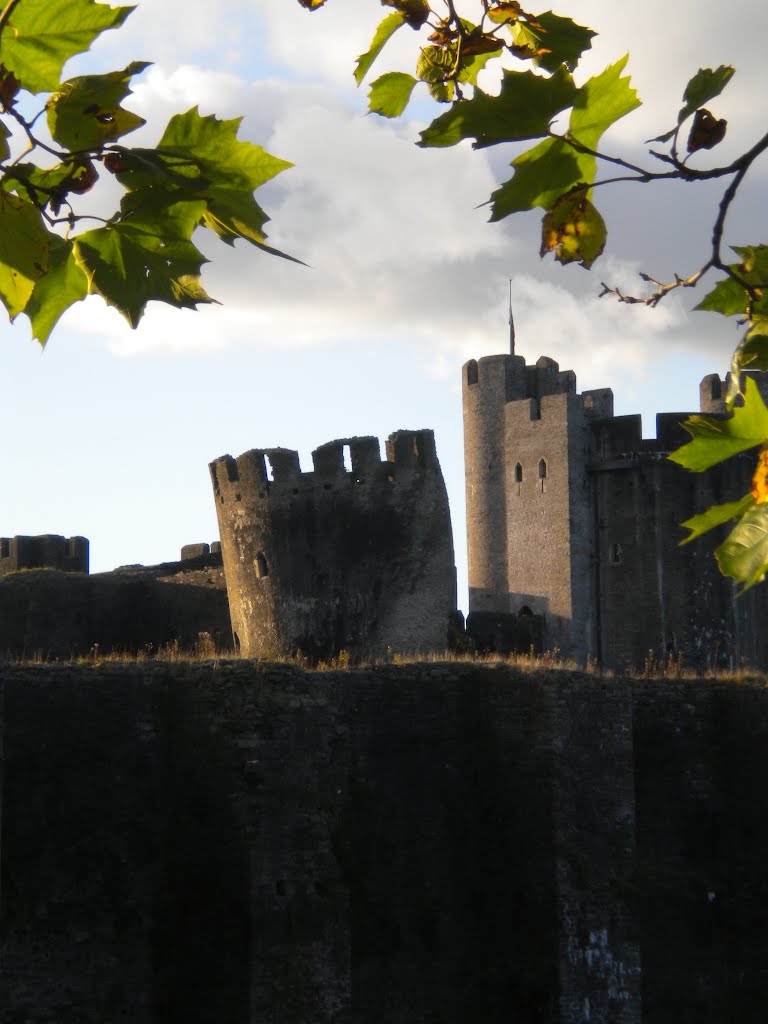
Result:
pixel 199 175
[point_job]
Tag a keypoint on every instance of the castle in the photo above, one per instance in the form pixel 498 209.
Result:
pixel 574 517
pixel 573 537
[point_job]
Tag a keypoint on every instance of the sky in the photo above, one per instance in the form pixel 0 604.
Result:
pixel 107 433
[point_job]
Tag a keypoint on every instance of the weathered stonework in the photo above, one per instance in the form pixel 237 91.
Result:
pixel 574 517
pixel 252 844
pixel 357 560
pixel 49 551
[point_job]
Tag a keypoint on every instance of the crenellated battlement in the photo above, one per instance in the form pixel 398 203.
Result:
pixel 271 472
pixel 48 551
pixel 512 377
pixel 355 554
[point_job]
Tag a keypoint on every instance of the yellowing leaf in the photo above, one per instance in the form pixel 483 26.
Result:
pixel 24 246
pixel 574 230
pixel 62 286
pixel 744 554
pixel 759 490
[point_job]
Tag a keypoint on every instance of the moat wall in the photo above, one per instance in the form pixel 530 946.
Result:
pixel 444 843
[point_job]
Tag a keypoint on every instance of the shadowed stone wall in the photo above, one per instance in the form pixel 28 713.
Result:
pixel 453 843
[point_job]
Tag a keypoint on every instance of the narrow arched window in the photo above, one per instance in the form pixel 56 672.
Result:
pixel 518 474
pixel 260 563
pixel 542 469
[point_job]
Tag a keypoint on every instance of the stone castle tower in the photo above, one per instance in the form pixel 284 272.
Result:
pixel 573 521
pixel 358 560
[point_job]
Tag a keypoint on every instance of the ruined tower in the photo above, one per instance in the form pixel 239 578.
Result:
pixel 573 520
pixel 358 560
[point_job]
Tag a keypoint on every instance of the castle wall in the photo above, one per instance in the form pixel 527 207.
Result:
pixel 359 560
pixel 258 845
pixel 658 599
pixel 139 609
pixel 48 551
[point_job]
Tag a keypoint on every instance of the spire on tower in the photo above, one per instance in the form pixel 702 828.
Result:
pixel 511 322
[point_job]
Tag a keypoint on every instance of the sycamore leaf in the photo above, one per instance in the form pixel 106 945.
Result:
pixel 414 12
pixel 574 230
pixel 759 490
pixel 384 32
pixel 435 64
pixel 24 248
pixel 706 131
pixel 752 353
pixel 146 255
pixel 504 13
pixel 40 36
pixel 224 171
pixel 471 67
pixel 85 113
pixel 389 95
pixel 717 515
pixel 565 41
pixel 62 286
pixel 542 175
pixel 744 554
pixel 705 85
pixel 522 110
pixel 5 149
pixel 727 297
pixel 601 101
pixel 714 440
pixel 731 298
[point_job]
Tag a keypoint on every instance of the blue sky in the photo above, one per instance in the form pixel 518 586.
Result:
pixel 108 432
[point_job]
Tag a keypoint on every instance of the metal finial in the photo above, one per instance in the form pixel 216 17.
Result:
pixel 511 322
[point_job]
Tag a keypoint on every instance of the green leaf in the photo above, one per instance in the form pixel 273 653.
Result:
pixel 24 247
pixel 601 102
pixel 389 95
pixel 5 149
pixel 522 110
pixel 566 40
pixel 542 175
pixel 574 230
pixel 147 255
pixel 714 440
pixel 62 286
pixel 744 554
pixel 727 297
pixel 703 87
pixel 85 113
pixel 471 67
pixel 435 64
pixel 383 34
pixel 751 354
pixel 716 516
pixel 40 36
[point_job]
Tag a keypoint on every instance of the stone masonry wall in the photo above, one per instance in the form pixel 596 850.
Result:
pixel 257 845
